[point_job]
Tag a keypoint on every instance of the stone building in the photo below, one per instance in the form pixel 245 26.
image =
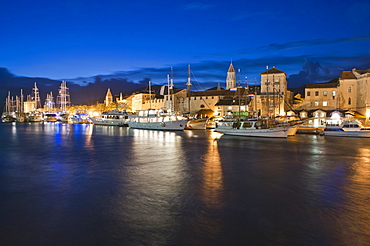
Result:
pixel 351 91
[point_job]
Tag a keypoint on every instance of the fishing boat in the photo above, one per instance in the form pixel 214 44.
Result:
pixel 253 128
pixel 153 119
pixel 347 128
pixel 111 118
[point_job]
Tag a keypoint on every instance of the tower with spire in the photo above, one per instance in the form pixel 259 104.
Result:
pixel 231 77
pixel 108 98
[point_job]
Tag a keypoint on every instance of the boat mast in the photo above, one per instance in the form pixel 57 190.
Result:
pixel 170 90
pixel 150 96
pixel 188 84
pixel 36 97
pixel 63 98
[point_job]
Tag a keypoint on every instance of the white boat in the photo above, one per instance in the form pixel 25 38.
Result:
pixel 111 118
pixel 254 128
pixel 196 124
pixel 80 117
pixel 347 128
pixel 211 123
pixel 65 117
pixel 155 120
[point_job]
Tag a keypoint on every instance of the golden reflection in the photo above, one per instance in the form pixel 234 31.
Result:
pixel 358 188
pixel 212 187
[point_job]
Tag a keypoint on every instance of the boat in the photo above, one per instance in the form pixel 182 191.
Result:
pixel 153 119
pixel 211 123
pixel 196 124
pixel 8 118
pixel 50 117
pixel 347 128
pixel 254 128
pixel 80 117
pixel 65 117
pixel 111 118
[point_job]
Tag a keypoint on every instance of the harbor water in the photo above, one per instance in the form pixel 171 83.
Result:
pixel 70 184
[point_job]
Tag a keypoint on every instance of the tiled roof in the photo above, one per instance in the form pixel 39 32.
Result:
pixel 272 71
pixel 331 84
pixel 347 75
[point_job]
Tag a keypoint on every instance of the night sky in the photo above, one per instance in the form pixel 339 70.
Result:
pixel 76 40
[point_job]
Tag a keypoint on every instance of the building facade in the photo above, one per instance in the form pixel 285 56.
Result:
pixel 351 91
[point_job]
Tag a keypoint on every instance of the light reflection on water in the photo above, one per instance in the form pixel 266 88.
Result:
pixel 66 184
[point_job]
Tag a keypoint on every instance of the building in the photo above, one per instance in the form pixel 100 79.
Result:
pixel 274 98
pixel 351 92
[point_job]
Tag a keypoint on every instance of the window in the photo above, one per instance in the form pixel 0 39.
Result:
pixel 316 93
pixel 308 93
pixel 202 106
pixel 316 103
pixel 333 93
pixel 324 103
pixel 349 101
pixel 349 90
pixel 325 93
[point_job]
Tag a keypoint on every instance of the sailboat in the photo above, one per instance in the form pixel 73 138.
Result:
pixel 153 119
pixel 35 115
pixel 194 124
pixel 8 114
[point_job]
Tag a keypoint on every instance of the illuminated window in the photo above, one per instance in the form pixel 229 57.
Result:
pixel 316 103
pixel 333 93
pixel 325 93
pixel 324 103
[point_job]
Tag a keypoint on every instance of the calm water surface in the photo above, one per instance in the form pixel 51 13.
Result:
pixel 65 184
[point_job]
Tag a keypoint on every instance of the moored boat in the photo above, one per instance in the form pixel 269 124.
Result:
pixel 50 117
pixel 347 128
pixel 196 124
pixel 80 117
pixel 254 128
pixel 111 118
pixel 154 120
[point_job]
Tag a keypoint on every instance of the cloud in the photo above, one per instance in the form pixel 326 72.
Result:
pixel 310 43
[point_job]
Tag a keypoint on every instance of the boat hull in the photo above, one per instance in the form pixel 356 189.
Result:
pixel 109 122
pixel 177 125
pixel 354 134
pixel 266 133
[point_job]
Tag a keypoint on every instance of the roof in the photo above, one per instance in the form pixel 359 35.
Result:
pixel 231 68
pixel 347 75
pixel 272 71
pixel 331 84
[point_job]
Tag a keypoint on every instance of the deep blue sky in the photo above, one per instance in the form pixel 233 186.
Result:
pixel 309 40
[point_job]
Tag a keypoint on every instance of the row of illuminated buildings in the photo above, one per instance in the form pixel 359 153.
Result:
pixel 348 93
